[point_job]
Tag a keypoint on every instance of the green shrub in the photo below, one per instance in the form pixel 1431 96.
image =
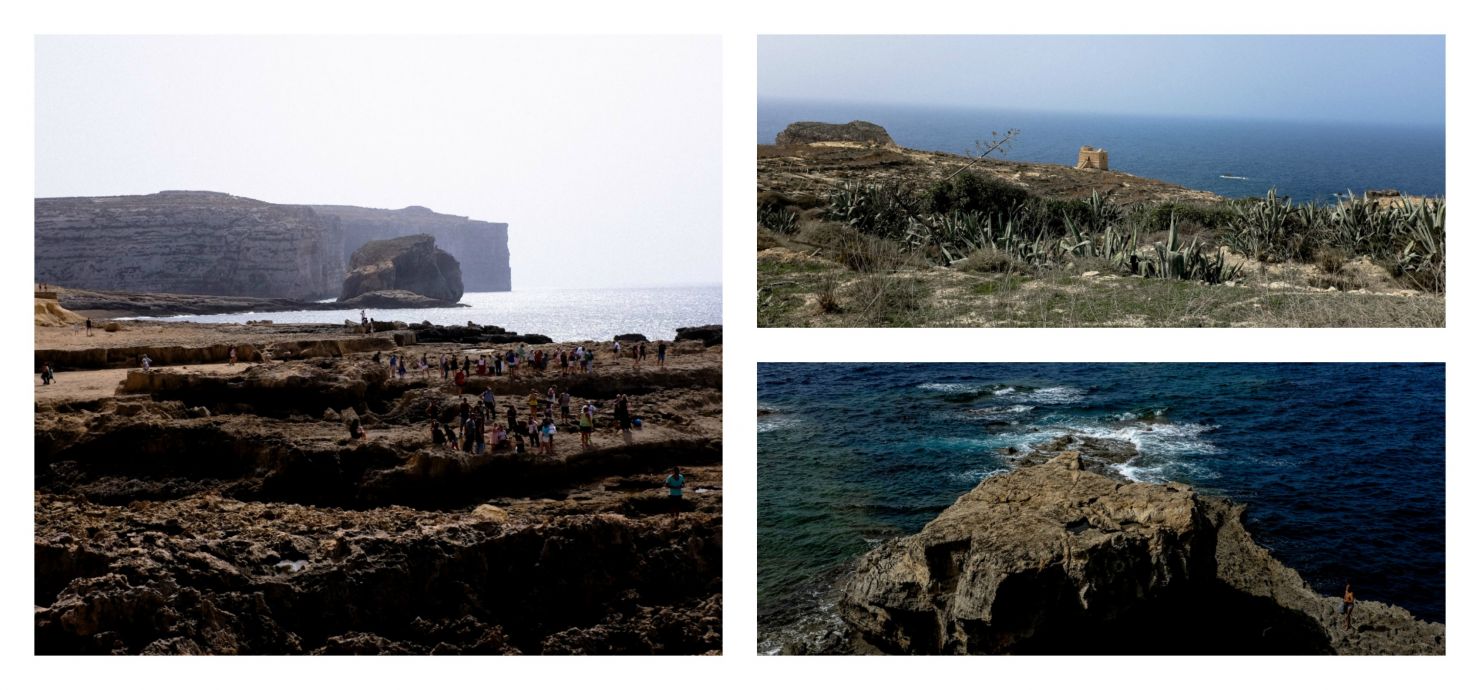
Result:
pixel 969 192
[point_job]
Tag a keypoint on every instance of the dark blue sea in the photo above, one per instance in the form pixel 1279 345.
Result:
pixel 1303 160
pixel 1341 465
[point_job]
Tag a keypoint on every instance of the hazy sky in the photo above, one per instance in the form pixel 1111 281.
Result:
pixel 602 153
pixel 1389 79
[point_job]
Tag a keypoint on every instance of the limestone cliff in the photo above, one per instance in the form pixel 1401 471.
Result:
pixel 205 243
pixel 482 248
pixel 1055 558
pixel 412 263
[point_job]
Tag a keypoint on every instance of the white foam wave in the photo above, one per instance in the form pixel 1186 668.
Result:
pixel 773 422
pixel 950 387
pixel 1054 395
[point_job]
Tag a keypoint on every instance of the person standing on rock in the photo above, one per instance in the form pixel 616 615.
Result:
pixel 587 423
pixel 144 361
pixel 458 379
pixel 624 417
pixel 88 326
pixel 463 410
pixel 565 406
pixel 662 354
pixel 401 369
pixel 674 482
pixel 1348 602
pixel 488 400
pixel 231 356
pixel 439 439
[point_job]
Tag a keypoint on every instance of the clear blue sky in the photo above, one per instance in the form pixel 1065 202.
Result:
pixel 1384 79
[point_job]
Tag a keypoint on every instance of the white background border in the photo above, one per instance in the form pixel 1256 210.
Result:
pixel 739 23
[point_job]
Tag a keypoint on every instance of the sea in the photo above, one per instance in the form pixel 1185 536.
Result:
pixel 564 314
pixel 1307 161
pixel 1341 465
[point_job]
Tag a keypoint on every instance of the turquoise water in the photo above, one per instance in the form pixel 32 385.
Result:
pixel 562 314
pixel 1341 465
pixel 1304 160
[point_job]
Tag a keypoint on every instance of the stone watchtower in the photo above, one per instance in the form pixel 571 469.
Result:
pixel 1091 158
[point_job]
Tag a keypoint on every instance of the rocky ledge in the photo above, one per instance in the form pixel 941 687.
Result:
pixel 1056 558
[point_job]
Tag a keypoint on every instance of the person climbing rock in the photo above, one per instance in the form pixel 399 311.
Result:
pixel 47 375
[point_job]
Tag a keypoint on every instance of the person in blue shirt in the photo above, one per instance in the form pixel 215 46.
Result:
pixel 674 482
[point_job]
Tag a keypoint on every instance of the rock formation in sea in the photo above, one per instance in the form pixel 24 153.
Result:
pixel 481 247
pixel 1054 557
pixel 856 131
pixel 204 243
pixel 413 263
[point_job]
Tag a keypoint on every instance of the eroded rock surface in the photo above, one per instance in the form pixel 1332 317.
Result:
pixel 226 510
pixel 1056 558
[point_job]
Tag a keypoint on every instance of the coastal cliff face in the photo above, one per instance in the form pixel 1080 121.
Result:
pixel 1055 558
pixel 204 243
pixel 482 248
pixel 413 264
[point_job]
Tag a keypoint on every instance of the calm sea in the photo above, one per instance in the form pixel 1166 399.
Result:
pixel 562 314
pixel 1306 161
pixel 1341 465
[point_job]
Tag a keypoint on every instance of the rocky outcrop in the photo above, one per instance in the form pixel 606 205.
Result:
pixel 50 313
pixel 474 334
pixel 412 264
pixel 481 247
pixel 713 334
pixel 857 131
pixel 1055 558
pixel 203 243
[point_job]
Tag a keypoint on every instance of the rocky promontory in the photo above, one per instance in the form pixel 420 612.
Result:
pixel 1054 557
pixel 411 264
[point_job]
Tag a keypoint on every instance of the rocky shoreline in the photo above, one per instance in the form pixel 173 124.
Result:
pixel 117 305
pixel 1063 556
pixel 224 509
